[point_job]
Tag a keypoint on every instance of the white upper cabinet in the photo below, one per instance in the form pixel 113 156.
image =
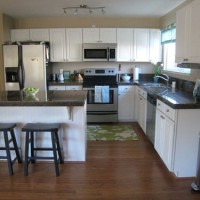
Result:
pixel 20 35
pixel 125 44
pixel 155 51
pixel 99 35
pixel 74 44
pixel 141 45
pixel 57 44
pixel 187 33
pixel 108 35
pixel 39 34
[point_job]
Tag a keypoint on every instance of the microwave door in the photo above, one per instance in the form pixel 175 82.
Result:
pixel 96 54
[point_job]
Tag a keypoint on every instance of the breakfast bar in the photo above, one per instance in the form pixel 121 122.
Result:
pixel 65 107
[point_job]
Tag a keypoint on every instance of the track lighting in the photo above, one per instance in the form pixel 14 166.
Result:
pixel 91 10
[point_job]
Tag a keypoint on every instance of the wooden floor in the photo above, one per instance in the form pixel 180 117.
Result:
pixel 113 171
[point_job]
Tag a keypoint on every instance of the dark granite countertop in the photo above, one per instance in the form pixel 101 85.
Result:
pixel 175 98
pixel 66 82
pixel 44 98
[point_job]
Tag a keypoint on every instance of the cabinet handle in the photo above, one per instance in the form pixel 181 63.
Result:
pixel 158 104
pixel 140 98
pixel 185 59
pixel 167 110
pixel 162 117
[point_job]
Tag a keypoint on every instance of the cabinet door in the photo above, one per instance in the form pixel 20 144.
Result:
pixel 159 129
pixel 141 45
pixel 155 45
pixel 126 106
pixel 58 45
pixel 137 98
pixel 108 35
pixel 91 35
pixel 182 16
pixel 167 142
pixel 74 44
pixel 20 35
pixel 194 33
pixel 124 44
pixel 142 113
pixel 39 34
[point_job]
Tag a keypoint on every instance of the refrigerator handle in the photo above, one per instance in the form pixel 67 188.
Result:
pixel 21 73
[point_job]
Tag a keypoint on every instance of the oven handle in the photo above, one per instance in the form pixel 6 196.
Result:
pixel 101 113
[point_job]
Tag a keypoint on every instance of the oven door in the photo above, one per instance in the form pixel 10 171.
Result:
pixel 102 112
pixel 111 105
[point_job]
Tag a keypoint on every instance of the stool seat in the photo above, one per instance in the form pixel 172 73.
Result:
pixel 6 128
pixel 41 127
pixel 32 128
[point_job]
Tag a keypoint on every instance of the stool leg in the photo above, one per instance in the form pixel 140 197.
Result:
pixel 32 148
pixel 55 153
pixel 10 169
pixel 26 154
pixel 15 146
pixel 58 147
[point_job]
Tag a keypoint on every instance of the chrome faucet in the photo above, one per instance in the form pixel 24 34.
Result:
pixel 166 79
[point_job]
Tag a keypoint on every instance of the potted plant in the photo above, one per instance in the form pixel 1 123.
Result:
pixel 157 68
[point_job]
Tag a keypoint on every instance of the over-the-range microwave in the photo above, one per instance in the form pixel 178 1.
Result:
pixel 99 52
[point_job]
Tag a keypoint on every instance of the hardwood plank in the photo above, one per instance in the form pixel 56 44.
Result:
pixel 113 171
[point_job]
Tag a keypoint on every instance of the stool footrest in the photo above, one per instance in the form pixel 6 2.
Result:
pixel 40 157
pixel 43 149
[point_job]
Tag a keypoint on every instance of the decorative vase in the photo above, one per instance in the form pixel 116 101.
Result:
pixel 155 79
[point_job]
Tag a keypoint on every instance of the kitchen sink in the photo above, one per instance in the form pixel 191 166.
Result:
pixel 156 88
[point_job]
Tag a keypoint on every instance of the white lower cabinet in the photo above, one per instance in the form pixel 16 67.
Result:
pixel 164 138
pixel 177 138
pixel 142 112
pixel 126 103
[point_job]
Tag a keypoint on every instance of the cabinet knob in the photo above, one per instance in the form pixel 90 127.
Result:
pixel 158 104
pixel 162 117
pixel 167 110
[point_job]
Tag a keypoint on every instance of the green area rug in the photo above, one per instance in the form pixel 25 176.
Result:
pixel 110 132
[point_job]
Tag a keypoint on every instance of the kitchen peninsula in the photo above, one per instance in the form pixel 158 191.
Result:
pixel 65 107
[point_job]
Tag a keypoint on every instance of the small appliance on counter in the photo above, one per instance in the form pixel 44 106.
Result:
pixel 60 76
pixel 126 77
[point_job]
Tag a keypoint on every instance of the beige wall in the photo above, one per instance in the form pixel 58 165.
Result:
pixel 8 23
pixel 59 22
pixel 1 53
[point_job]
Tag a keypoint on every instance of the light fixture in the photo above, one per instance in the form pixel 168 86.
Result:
pixel 75 9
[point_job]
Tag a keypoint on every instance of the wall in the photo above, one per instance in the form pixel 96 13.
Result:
pixel 8 23
pixel 63 22
pixel 125 67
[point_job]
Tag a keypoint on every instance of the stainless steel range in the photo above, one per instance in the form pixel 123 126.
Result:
pixel 102 97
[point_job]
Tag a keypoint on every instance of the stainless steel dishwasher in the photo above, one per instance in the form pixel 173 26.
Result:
pixel 151 117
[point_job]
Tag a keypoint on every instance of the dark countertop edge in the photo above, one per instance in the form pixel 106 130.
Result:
pixel 65 83
pixel 39 104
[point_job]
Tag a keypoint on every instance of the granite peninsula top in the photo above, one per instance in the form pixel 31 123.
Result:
pixel 44 98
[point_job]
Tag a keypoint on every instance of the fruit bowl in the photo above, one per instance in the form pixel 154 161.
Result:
pixel 31 91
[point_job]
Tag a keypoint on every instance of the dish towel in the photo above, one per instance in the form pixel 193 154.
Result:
pixel 105 94
pixel 97 94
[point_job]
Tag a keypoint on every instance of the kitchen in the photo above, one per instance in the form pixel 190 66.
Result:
pixel 126 67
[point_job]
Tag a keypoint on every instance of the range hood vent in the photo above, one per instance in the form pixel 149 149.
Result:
pixel 189 65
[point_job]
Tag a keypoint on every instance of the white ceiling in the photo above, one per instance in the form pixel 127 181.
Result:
pixel 114 8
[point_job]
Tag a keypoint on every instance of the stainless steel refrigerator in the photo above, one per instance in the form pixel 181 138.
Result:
pixel 25 65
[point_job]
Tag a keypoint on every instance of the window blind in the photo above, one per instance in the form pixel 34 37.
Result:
pixel 168 35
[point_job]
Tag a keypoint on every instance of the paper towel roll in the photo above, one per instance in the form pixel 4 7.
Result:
pixel 136 73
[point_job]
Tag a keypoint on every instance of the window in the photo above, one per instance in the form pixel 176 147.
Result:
pixel 168 40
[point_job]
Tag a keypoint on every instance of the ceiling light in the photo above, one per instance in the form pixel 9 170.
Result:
pixel 75 10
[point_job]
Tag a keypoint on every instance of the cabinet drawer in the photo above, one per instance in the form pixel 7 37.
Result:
pixel 143 93
pixel 167 110
pixel 160 106
pixel 170 112
pixel 126 88
pixel 73 87
pixel 58 87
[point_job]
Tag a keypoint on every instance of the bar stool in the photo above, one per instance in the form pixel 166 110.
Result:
pixel 31 129
pixel 6 128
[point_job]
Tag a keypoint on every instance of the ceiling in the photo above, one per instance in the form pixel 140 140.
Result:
pixel 113 8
